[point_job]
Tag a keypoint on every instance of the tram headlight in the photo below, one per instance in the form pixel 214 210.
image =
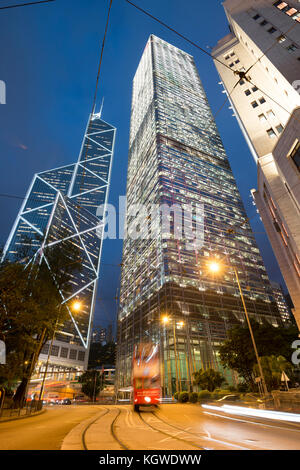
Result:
pixel 148 399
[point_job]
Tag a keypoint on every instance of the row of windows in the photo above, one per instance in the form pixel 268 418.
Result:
pixel 281 38
pixel 64 352
pixel 242 82
pixel 262 117
pixel 288 10
pixel 255 104
pixel 271 133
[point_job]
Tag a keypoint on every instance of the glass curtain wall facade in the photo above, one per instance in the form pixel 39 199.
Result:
pixel 60 211
pixel 176 156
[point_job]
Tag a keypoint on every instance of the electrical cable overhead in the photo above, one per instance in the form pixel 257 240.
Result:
pixel 101 56
pixel 176 32
pixel 268 50
pixel 26 4
pixel 93 110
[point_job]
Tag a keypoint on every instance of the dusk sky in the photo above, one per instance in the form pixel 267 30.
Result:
pixel 49 60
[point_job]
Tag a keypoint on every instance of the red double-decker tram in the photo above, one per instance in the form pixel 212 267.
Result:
pixel 146 375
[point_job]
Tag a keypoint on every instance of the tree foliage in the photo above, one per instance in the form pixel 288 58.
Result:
pixel 208 379
pixel 91 383
pixel 237 351
pixel 272 367
pixel 30 306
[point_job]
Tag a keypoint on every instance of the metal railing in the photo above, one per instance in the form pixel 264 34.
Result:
pixel 29 408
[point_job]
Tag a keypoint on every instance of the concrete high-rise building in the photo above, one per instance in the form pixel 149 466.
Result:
pixel 264 42
pixel 60 210
pixel 177 159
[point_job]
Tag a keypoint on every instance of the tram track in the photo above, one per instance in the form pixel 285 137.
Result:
pixel 186 441
pixel 112 429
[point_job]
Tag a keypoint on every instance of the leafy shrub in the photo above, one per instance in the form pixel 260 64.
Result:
pixel 176 394
pixel 193 397
pixel 204 395
pixel 231 388
pixel 242 387
pixel 183 397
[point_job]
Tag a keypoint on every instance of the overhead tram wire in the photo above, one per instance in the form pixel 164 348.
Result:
pixel 189 41
pixel 26 4
pixel 270 48
pixel 92 111
pixel 241 74
pixel 174 31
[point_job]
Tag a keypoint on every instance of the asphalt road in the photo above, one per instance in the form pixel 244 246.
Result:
pixel 180 427
pixel 45 431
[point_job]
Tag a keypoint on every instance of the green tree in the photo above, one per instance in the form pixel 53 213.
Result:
pixel 272 367
pixel 237 352
pixel 91 383
pixel 30 306
pixel 208 379
pixel 28 311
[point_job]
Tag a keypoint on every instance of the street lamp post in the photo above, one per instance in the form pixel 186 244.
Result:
pixel 215 267
pixel 76 307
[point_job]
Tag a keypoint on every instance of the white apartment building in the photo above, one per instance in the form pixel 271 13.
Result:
pixel 264 44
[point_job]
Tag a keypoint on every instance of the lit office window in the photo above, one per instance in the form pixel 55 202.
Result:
pixel 281 38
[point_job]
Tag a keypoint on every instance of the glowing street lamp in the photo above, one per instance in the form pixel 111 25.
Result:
pixel 215 267
pixel 76 306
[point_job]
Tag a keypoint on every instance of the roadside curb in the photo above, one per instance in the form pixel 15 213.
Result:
pixel 73 440
pixel 22 417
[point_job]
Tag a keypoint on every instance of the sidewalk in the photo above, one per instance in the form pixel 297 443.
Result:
pixel 12 415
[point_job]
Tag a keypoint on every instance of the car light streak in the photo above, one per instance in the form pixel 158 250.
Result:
pixel 254 412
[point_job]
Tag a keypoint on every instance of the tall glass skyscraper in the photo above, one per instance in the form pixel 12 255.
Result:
pixel 60 210
pixel 176 156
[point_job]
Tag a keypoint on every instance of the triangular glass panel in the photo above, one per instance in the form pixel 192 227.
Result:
pixel 39 217
pixel 73 264
pixel 91 150
pixel 60 178
pixel 85 181
pixel 82 218
pixel 92 243
pixel 97 125
pixel 82 318
pixel 91 201
pixel 62 225
pixel 104 139
pixel 99 166
pixel 24 244
pixel 40 194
